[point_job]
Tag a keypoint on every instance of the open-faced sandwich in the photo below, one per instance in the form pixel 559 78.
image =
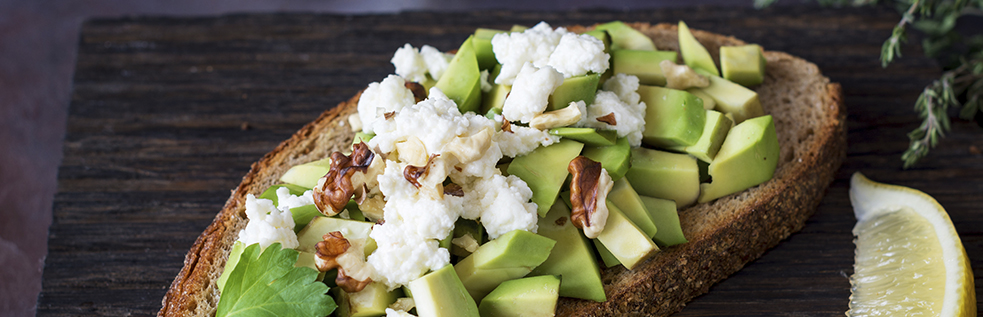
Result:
pixel 606 170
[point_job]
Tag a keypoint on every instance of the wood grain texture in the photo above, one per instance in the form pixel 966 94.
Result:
pixel 167 115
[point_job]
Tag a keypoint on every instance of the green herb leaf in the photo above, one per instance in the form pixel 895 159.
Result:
pixel 266 283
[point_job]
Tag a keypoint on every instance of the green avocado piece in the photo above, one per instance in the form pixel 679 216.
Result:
pixel 544 170
pixel 483 48
pixel 306 175
pixel 665 175
pixel 616 159
pixel 531 296
pixel 467 227
pixel 511 255
pixel 370 301
pixel 694 54
pixel 747 158
pixel 440 293
pixel 708 102
pixel 672 117
pixel 573 89
pixel 714 133
pixel 606 256
pixel 571 258
pixel 518 28
pixel 270 193
pixel 588 136
pixel 744 64
pixel 733 99
pixel 664 213
pixel 494 100
pixel 230 263
pixel 303 215
pixel 626 37
pixel 350 229
pixel 623 238
pixel 628 201
pixel 461 81
pixel 643 64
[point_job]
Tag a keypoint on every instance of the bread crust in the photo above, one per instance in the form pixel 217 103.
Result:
pixel 723 235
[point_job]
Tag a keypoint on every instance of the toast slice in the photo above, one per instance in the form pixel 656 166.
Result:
pixel 723 235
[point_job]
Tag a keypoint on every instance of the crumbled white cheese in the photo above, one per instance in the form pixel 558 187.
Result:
pixel 530 92
pixel 402 257
pixel 427 215
pixel 434 121
pixel 534 45
pixel 267 225
pixel 504 204
pixel 286 201
pixel 577 54
pixel 629 118
pixel 523 140
pixel 485 85
pixel 436 61
pixel 379 98
pixel 409 63
pixel 625 86
pixel 397 313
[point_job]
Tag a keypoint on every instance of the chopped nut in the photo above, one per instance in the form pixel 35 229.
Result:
pixel 466 242
pixel 682 76
pixel 389 115
pixel 608 118
pixel 403 303
pixel 454 190
pixel 588 195
pixel 413 174
pixel 412 151
pixel 419 92
pixel 336 252
pixel 561 221
pixel 470 148
pixel 506 125
pixel 335 189
pixel 556 118
pixel 355 122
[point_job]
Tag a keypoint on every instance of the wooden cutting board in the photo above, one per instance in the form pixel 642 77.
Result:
pixel 167 115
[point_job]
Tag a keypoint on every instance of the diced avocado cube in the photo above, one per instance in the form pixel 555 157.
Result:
pixel 747 158
pixel 625 241
pixel 573 89
pixel 313 233
pixel 479 282
pixel 616 159
pixel 370 301
pixel 230 263
pixel 708 102
pixel 544 170
pixel 607 257
pixel 587 136
pixel 571 257
pixel 643 64
pixel 494 100
pixel 510 256
pixel 694 54
pixel 672 117
pixel 306 175
pixel 303 215
pixel 664 213
pixel 270 193
pixel 483 48
pixel 531 296
pixel 665 175
pixel 714 133
pixel 461 81
pixel 744 64
pixel 440 293
pixel 624 36
pixel 627 200
pixel 733 99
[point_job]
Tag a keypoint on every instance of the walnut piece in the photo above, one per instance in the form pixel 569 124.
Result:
pixel 608 118
pixel 336 252
pixel 588 195
pixel 419 92
pixel 682 76
pixel 336 188
pixel 413 173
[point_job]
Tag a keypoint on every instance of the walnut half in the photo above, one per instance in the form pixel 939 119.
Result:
pixel 337 252
pixel 588 195
pixel 336 188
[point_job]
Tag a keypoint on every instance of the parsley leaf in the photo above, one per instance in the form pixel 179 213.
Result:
pixel 266 283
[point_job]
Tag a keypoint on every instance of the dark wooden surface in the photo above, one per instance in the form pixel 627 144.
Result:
pixel 167 114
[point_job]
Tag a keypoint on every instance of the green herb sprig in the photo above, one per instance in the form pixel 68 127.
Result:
pixel 961 84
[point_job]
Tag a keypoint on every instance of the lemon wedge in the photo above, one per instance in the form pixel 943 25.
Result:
pixel 909 259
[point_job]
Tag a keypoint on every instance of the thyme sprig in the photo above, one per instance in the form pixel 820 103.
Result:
pixel 961 84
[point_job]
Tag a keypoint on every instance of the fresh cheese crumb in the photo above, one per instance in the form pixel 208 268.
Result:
pixel 629 118
pixel 380 98
pixel 577 54
pixel 485 85
pixel 438 114
pixel 534 45
pixel 402 257
pixel 504 204
pixel 625 86
pixel 530 92
pixel 267 225
pixel 523 140
pixel 436 61
pixel 287 201
pixel 409 63
pixel 397 313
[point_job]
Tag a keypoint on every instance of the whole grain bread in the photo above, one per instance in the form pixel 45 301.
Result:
pixel 723 235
